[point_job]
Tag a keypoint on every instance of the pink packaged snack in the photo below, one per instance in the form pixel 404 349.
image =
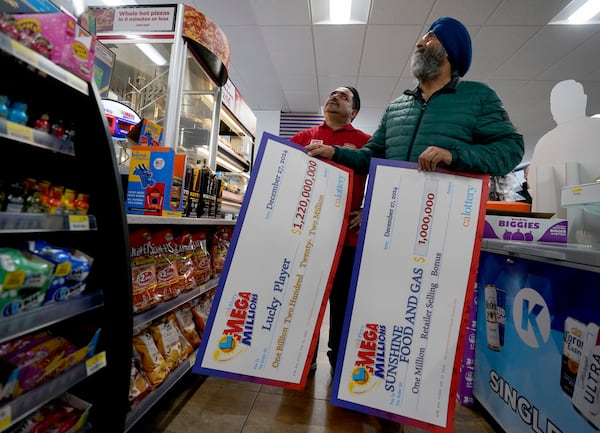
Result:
pixel 71 46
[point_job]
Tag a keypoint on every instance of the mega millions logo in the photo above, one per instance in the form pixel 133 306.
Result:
pixel 239 328
pixel 369 365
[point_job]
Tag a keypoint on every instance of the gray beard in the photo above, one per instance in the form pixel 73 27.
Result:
pixel 427 64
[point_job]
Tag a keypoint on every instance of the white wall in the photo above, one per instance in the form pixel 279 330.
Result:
pixel 266 121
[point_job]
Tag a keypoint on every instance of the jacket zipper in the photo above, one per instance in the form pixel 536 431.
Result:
pixel 412 141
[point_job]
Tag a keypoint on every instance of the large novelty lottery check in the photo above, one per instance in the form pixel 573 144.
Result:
pixel 273 289
pixel 416 260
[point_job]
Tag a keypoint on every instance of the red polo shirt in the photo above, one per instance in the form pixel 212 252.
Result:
pixel 348 136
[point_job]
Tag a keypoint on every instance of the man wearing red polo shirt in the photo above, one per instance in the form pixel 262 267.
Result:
pixel 340 108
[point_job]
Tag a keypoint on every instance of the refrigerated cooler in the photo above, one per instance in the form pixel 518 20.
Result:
pixel 537 358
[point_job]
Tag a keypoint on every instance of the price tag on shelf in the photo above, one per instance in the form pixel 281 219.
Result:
pixel 95 363
pixel 76 82
pixel 79 222
pixel 24 53
pixel 192 359
pixel 5 416
pixel 19 132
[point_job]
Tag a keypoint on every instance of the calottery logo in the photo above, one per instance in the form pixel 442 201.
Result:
pixel 237 335
pixel 369 367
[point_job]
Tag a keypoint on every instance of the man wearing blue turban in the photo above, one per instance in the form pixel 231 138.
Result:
pixel 445 121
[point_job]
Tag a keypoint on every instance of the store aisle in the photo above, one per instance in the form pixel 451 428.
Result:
pixel 199 404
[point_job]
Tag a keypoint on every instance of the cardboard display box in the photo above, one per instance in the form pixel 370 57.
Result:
pixel 155 185
pixel 525 229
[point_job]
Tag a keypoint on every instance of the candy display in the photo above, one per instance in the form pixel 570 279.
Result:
pixel 65 414
pixel 59 37
pixel 31 360
pixel 17 113
pixel 24 281
pixel 33 196
pixel 71 269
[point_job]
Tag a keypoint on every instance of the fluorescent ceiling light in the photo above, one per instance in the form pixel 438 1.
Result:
pixel 585 12
pixel 78 7
pixel 340 11
pixel 152 54
pixel 579 12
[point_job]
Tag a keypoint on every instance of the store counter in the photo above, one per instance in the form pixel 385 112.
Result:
pixel 537 359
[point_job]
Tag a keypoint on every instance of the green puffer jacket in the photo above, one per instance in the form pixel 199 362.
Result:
pixel 465 117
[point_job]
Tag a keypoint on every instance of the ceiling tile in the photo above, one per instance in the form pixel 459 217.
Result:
pixel 278 12
pixel 387 49
pixel 469 12
pixel 338 48
pixel 526 12
pixel 400 11
pixel 290 49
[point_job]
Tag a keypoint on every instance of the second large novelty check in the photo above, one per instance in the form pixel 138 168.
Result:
pixel 416 259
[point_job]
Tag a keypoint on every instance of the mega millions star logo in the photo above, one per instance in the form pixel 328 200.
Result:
pixel 237 335
pixel 369 367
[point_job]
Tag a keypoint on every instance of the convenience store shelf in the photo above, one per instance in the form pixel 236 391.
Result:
pixel 153 397
pixel 37 222
pixel 20 407
pixel 37 318
pixel 41 63
pixel 145 317
pixel 33 137
pixel 143 219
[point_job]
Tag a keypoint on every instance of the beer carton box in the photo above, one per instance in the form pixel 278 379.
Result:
pixel 585 392
pixel 517 228
pixel 155 181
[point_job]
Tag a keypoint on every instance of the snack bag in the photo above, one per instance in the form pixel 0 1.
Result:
pixel 185 320
pixel 167 341
pixel 201 257
pixel 139 386
pixel 219 248
pixel 186 347
pixel 185 262
pixel 168 280
pixel 24 280
pixel 143 271
pixel 151 361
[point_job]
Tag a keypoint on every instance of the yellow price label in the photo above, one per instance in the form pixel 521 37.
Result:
pixel 79 222
pixel 95 363
pixel 19 132
pixel 5 416
pixel 24 53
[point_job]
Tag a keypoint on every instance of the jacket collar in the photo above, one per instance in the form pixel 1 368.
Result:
pixel 448 88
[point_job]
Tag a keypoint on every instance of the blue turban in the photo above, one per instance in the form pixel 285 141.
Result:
pixel 455 39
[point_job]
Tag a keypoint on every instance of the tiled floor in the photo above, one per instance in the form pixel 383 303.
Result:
pixel 199 404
